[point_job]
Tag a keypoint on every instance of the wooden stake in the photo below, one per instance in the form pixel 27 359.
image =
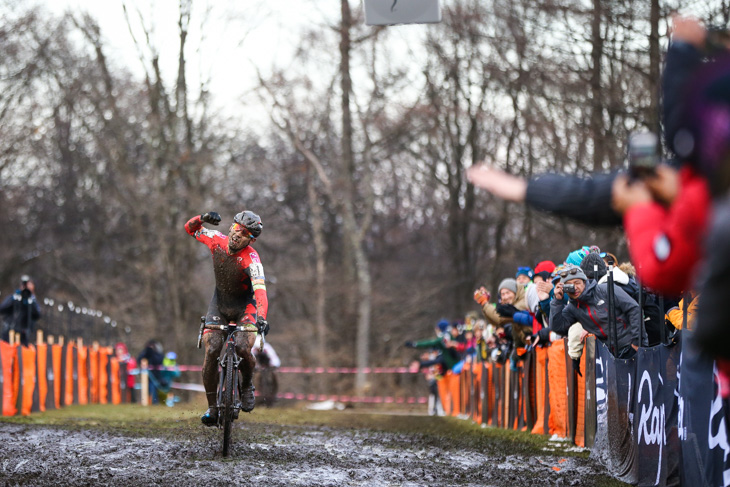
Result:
pixel 61 340
pixel 39 337
pixel 144 379
pixel 50 339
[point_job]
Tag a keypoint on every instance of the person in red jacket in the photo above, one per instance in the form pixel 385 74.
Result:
pixel 666 215
pixel 665 219
pixel 239 297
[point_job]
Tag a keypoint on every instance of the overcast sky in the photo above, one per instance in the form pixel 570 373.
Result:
pixel 237 35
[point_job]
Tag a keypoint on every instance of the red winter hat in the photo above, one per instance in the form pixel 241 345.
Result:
pixel 545 265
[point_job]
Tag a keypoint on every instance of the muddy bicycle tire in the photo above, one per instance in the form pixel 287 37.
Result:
pixel 228 403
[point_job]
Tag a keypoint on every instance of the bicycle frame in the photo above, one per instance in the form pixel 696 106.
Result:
pixel 229 349
pixel 228 397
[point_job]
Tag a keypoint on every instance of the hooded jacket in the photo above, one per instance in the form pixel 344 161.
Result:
pixel 591 311
pixel 623 280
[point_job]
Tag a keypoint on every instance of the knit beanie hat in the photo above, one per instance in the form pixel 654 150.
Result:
pixel 589 264
pixel 574 272
pixel 545 265
pixel 508 283
pixel 577 256
pixel 524 270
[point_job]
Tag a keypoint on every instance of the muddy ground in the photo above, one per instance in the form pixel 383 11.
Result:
pixel 283 449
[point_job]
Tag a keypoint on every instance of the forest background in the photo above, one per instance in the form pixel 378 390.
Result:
pixel 352 148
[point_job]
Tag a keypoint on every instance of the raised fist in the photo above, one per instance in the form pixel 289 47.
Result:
pixel 211 217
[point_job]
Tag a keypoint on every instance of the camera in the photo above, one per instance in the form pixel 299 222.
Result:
pixel 643 152
pixel 569 288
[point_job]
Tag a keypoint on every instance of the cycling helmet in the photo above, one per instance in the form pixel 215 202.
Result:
pixel 251 221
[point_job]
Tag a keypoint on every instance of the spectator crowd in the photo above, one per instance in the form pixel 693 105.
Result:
pixel 550 302
pixel 676 216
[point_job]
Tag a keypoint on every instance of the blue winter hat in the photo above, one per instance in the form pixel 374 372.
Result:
pixel 443 325
pixel 524 270
pixel 577 256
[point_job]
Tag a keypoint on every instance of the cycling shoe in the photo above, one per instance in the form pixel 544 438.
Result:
pixel 248 399
pixel 210 418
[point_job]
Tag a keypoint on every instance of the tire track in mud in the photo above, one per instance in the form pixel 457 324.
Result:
pixel 270 455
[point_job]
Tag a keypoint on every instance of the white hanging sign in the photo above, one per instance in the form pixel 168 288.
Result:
pixel 390 12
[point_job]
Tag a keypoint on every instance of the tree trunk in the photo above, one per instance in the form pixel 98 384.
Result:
pixel 654 63
pixel 352 234
pixel 596 95
pixel 320 250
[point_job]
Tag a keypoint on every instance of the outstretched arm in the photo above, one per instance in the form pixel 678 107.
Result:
pixel 587 200
pixel 498 182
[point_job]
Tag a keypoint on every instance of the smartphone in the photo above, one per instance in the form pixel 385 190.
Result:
pixel 643 153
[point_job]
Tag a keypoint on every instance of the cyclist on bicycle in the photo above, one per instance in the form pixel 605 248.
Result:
pixel 239 297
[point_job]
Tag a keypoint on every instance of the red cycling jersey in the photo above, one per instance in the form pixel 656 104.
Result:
pixel 239 277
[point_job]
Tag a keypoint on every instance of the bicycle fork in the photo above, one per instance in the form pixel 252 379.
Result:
pixel 229 348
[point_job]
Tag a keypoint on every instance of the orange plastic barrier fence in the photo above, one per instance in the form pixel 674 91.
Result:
pixel 68 393
pixel 476 386
pixel 116 385
pixel 82 354
pixel 453 381
pixel 16 382
pixel 94 375
pixel 444 396
pixel 7 357
pixel 103 376
pixel 541 357
pixel 498 381
pixel 488 408
pixel 42 376
pixel 580 397
pixel 507 395
pixel 557 378
pixel 27 383
pixel 464 390
pixel 57 365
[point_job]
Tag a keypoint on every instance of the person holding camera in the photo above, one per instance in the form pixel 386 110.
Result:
pixel 21 312
pixel 239 297
pixel 666 210
pixel 588 303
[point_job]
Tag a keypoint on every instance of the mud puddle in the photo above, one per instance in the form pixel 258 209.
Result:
pixel 271 455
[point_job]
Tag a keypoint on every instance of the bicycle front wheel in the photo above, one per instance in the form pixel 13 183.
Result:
pixel 228 403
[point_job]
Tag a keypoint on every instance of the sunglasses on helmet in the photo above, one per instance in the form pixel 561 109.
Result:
pixel 569 272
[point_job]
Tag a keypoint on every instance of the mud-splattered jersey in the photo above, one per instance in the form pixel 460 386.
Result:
pixel 239 277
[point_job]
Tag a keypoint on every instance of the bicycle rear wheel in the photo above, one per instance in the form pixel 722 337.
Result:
pixel 228 403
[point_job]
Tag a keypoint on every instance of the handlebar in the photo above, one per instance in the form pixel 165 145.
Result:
pixel 229 326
